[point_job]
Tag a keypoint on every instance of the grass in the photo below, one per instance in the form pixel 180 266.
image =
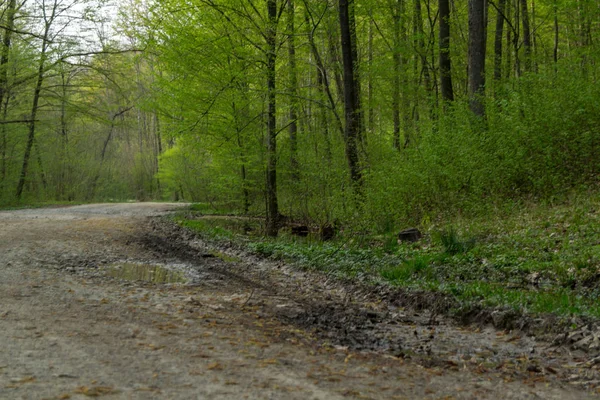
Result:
pixel 533 259
pixel 25 205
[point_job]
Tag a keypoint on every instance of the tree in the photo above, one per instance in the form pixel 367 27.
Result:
pixel 477 46
pixel 351 91
pixel 445 59
pixel 273 216
pixel 49 17
pixel 499 36
pixel 526 34
pixel 9 13
pixel 293 91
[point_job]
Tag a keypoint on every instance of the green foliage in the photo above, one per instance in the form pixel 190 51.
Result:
pixel 208 229
pixel 420 267
pixel 453 243
pixel 534 259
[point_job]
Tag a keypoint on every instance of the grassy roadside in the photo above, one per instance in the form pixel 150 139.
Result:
pixel 536 259
pixel 50 204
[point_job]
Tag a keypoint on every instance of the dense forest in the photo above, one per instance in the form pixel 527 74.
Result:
pixel 374 114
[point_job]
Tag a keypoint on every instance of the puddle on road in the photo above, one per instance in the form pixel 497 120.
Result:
pixel 146 273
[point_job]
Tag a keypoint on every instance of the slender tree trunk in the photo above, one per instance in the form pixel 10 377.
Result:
pixel 397 13
pixel 433 53
pixel 4 58
pixel 556 36
pixel 526 35
pixel 370 88
pixel 10 13
pixel 351 93
pixel 159 151
pixel 498 40
pixel 64 138
pixel 273 215
pixel 36 147
pixel 323 120
pixel 336 60
pixel 293 90
pixel 445 59
pixel 243 169
pixel 420 44
pixel 517 37
pixel 323 75
pixel 113 119
pixel 477 56
pixel 33 116
pixel 357 77
pixel 534 41
pixel 4 135
pixel 509 68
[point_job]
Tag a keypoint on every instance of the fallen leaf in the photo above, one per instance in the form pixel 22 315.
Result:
pixel 95 391
pixel 215 367
pixel 27 379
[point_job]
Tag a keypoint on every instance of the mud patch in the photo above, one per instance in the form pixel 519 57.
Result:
pixel 136 272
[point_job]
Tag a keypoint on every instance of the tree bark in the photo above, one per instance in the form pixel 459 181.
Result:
pixel 420 45
pixel 94 185
pixel 556 35
pixel 526 35
pixel 4 58
pixel 36 100
pixel 370 88
pixel 477 43
pixel 351 93
pixel 397 14
pixel 273 217
pixel 293 91
pixel 323 76
pixel 445 59
pixel 498 40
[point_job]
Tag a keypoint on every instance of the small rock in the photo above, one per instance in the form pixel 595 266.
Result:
pixel 534 368
pixel 583 344
pixel 192 300
pixel 410 235
pixel 576 336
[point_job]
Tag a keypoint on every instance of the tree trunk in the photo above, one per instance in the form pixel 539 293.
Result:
pixel 534 41
pixel 293 91
pixel 42 173
pixel 370 88
pixel 526 35
pixel 273 217
pixel 94 185
pixel 445 59
pixel 243 169
pixel 420 45
pixel 516 37
pixel 498 40
pixel 351 93
pixel 556 35
pixel 33 115
pixel 323 76
pixel 397 14
pixel 508 66
pixel 10 12
pixel 159 150
pixel 356 75
pixel 477 56
pixel 6 43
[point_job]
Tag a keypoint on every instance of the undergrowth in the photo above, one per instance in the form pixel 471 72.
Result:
pixel 536 259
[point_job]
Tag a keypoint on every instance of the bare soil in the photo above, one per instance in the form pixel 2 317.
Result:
pixel 241 327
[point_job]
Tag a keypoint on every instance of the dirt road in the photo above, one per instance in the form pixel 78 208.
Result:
pixel 239 327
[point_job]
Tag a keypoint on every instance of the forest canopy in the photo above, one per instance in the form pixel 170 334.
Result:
pixel 373 114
